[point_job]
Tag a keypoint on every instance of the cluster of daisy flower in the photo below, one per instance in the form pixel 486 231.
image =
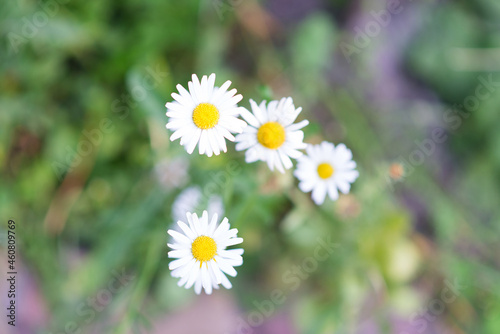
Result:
pixel 205 115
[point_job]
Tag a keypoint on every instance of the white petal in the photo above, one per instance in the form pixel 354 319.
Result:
pixel 223 227
pixel 204 223
pixel 285 159
pixel 220 92
pixel 297 126
pixel 225 282
pixel 214 268
pixel 193 275
pixel 183 272
pixel 197 286
pixel 332 191
pixel 193 141
pixel 319 193
pixel 205 279
pixel 306 186
pixel 179 262
pixel 213 142
pixel 196 224
pixel 179 237
pixel 234 254
pixel 343 186
pixel 249 117
pixel 210 84
pixel 182 253
pixel 221 141
pixel 225 267
pixel 234 241
pixel 213 224
pixel 187 231
pixel 251 155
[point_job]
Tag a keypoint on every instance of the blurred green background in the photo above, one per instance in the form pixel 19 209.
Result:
pixel 89 175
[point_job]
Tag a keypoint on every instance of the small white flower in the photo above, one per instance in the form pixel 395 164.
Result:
pixel 205 114
pixel 191 199
pixel 200 251
pixel 186 201
pixel 326 169
pixel 271 135
pixel 172 173
pixel 215 205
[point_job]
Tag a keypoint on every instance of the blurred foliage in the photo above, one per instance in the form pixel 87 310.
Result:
pixel 82 215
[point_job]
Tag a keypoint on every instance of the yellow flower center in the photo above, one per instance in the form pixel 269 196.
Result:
pixel 203 248
pixel 271 135
pixel 325 170
pixel 205 116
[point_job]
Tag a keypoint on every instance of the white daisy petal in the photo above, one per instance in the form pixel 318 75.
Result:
pixel 181 99
pixel 202 148
pixel 232 253
pixel 193 92
pixel 319 193
pixel 221 142
pixel 333 192
pixel 292 153
pixel 249 117
pixel 298 126
pixel 235 262
pixel 233 242
pixel 181 253
pixel 213 224
pixel 306 186
pixel 211 83
pixel 204 227
pixel 225 133
pixel 213 142
pixel 182 271
pixel 223 227
pixel 197 286
pixel 180 238
pixel 196 224
pixel 177 246
pixel 193 141
pixel 181 132
pixel 204 88
pixel 187 231
pixel 214 268
pixel 251 155
pixel 225 282
pixel 193 275
pixel 183 91
pixel 179 262
pixel 205 280
pixel 225 267
pixel 343 186
pixel 218 93
pixel 285 160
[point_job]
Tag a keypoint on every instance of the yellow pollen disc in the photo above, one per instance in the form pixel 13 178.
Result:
pixel 325 170
pixel 205 116
pixel 271 135
pixel 204 248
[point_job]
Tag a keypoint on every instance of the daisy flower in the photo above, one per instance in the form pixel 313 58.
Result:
pixel 191 199
pixel 201 257
pixel 172 173
pixel 205 114
pixel 271 135
pixel 187 201
pixel 326 169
